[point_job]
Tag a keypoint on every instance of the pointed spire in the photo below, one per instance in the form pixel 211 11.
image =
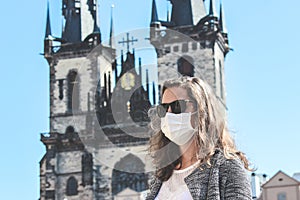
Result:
pixel 111 33
pixel 140 67
pixel 48 25
pixel 140 70
pixel 153 93
pixel 133 57
pixel 116 71
pixel 159 93
pixel 72 23
pixel 222 20
pixel 105 87
pixel 212 10
pixel 96 27
pixel 122 58
pixel 147 83
pixel 109 86
pixel 188 12
pixel 154 16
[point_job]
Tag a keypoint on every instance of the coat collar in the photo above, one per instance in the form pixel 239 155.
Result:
pixel 155 186
pixel 198 181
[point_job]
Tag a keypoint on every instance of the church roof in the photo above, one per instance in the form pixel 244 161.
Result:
pixel 212 9
pixel 222 20
pixel 154 16
pixel 111 32
pixel 48 25
pixel 187 12
pixel 281 179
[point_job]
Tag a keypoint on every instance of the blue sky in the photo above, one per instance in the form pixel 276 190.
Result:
pixel 262 73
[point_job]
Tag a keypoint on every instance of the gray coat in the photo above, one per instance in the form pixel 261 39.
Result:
pixel 226 179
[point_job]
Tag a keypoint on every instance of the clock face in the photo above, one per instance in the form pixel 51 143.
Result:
pixel 127 81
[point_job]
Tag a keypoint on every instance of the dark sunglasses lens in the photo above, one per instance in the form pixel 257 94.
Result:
pixel 178 106
pixel 161 110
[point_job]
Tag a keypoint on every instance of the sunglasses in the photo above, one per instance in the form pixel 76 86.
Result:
pixel 178 106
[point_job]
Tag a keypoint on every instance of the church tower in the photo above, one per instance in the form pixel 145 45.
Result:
pixel 98 118
pixel 193 42
pixel 67 169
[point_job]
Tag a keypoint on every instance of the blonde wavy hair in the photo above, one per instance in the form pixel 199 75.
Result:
pixel 212 131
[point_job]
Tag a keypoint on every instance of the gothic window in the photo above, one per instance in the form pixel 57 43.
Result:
pixel 194 46
pixel 185 66
pixel 73 91
pixel 168 50
pixel 281 196
pixel 175 48
pixel 185 47
pixel 87 169
pixel 70 129
pixel 61 88
pixel 128 172
pixel 72 186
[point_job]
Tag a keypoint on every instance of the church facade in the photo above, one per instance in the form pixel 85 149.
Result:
pixel 98 136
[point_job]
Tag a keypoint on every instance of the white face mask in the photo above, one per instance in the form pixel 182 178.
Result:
pixel 177 127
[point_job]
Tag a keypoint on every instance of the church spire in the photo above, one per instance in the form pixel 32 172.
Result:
pixel 147 83
pixel 154 93
pixel 72 26
pixel 222 20
pixel 109 85
pixel 48 25
pixel 212 10
pixel 111 33
pixel 154 16
pixel 96 27
pixel 187 12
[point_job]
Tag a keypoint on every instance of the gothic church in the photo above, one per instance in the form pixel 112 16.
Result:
pixel 98 135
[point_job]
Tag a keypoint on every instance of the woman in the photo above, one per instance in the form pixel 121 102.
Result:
pixel 194 154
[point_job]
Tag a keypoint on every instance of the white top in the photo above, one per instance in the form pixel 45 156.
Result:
pixel 175 188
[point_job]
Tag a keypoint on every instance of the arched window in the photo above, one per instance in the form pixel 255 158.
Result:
pixel 186 66
pixel 61 88
pixel 72 186
pixel 73 91
pixel 70 129
pixel 124 175
pixel 87 169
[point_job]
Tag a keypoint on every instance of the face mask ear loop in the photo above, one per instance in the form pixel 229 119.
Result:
pixel 192 113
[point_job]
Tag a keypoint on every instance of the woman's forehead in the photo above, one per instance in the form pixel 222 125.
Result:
pixel 174 93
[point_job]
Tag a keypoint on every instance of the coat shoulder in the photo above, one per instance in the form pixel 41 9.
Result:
pixel 234 179
pixel 227 163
